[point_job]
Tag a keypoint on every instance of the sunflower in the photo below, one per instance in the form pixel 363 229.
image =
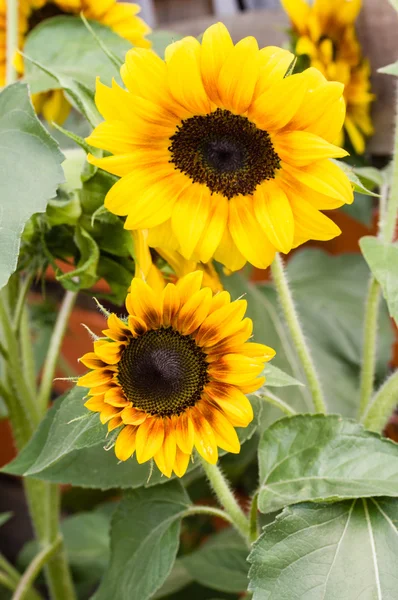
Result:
pixel 146 265
pixel 220 155
pixel 173 375
pixel 324 33
pixel 121 17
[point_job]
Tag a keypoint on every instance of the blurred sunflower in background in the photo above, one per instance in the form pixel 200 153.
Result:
pixel 121 17
pixel 220 155
pixel 174 374
pixel 324 37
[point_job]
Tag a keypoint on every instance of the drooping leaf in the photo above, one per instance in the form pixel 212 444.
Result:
pixel 343 551
pixel 220 564
pixel 83 61
pixel 30 171
pixel 319 458
pixel 382 259
pixel 329 292
pixel 275 377
pixel 69 447
pixel 144 542
pixel 355 178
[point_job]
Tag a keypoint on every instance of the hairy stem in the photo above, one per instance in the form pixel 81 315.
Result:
pixel 54 349
pixel 369 347
pixel 227 499
pixel 33 570
pixel 292 320
pixel 208 510
pixel 383 404
pixel 276 401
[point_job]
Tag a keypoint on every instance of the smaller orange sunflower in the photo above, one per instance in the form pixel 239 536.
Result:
pixel 174 374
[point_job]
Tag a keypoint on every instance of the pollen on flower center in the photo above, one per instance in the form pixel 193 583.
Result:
pixel 226 152
pixel 163 372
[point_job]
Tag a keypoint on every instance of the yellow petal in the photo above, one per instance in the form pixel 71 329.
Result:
pixel 216 46
pixel 170 304
pixel 115 397
pixel 279 103
pixel 298 11
pixel 184 432
pixel 137 326
pixel 213 230
pixel 225 434
pixel 96 404
pixel 150 437
pixel 108 412
pixel 110 353
pixel 233 402
pixel 247 233
pixel 114 423
pixel 95 378
pixel 132 416
pixel 300 148
pixel 238 76
pixel 220 323
pixel 184 76
pixel 181 463
pixel 145 303
pixel 274 62
pixel 190 214
pixel 205 441
pixel 91 361
pixel 310 224
pixel 228 253
pixel 165 457
pixel 356 137
pixel 274 214
pixel 325 177
pixel 194 311
pixel 188 285
pixel 125 443
pixel 118 330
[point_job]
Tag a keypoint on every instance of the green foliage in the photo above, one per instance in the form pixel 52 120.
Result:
pixel 382 259
pixel 275 377
pixel 318 458
pixel 142 556
pixel 335 551
pixel 329 292
pixel 69 447
pixel 220 564
pixel 390 69
pixel 26 148
pixel 82 62
pixel 4 517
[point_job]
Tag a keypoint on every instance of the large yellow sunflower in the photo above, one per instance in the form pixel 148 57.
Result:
pixel 119 16
pixel 219 153
pixel 325 33
pixel 173 375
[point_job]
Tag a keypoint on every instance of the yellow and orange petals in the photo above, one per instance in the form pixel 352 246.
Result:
pixel 117 329
pixel 170 304
pixel 224 433
pixel 126 442
pixel 204 438
pixel 194 311
pixel 144 303
pixel 91 361
pixel 184 432
pixel 150 437
pixel 114 423
pixel 165 457
pixel 181 462
pixel 96 378
pixel 95 403
pixel 108 412
pixel 137 326
pixel 189 285
pixel 132 416
pixel 233 403
pixel 115 397
pixel 221 323
pixel 109 352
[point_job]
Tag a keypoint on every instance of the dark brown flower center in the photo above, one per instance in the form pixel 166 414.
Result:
pixel 226 152
pixel 45 12
pixel 163 372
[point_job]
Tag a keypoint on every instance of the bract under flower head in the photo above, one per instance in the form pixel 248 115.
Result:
pixel 174 375
pixel 220 155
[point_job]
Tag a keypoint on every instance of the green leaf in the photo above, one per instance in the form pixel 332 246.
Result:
pixel 31 171
pixel 177 580
pixel 329 293
pixel 161 39
pixel 354 175
pixel 144 542
pixel 342 551
pixel 81 95
pixel 4 517
pixel 382 259
pixel 83 61
pixel 389 69
pixel 275 377
pixel 69 447
pixel 220 564
pixel 317 458
pixel 85 274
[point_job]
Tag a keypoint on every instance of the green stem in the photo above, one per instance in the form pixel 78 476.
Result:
pixel 208 510
pixel 392 205
pixel 7 582
pixel 227 499
pixel 11 578
pixel 23 292
pixel 369 347
pixel 28 360
pixel 382 406
pixel 54 349
pixel 303 351
pixel 278 402
pixel 31 573
pixel 8 569
pixel 12 30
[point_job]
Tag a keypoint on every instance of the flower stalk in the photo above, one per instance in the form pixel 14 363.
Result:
pixel 292 320
pixel 369 344
pixel 11 39
pixel 382 405
pixel 227 499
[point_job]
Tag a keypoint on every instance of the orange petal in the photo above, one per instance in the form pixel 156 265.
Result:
pixel 125 443
pixel 150 437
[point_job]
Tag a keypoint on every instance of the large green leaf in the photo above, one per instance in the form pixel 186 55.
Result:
pixel 220 564
pixel 329 292
pixel 144 542
pixel 317 457
pixel 69 447
pixel 342 551
pixel 177 580
pixel 30 171
pixel 82 62
pixel 382 259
